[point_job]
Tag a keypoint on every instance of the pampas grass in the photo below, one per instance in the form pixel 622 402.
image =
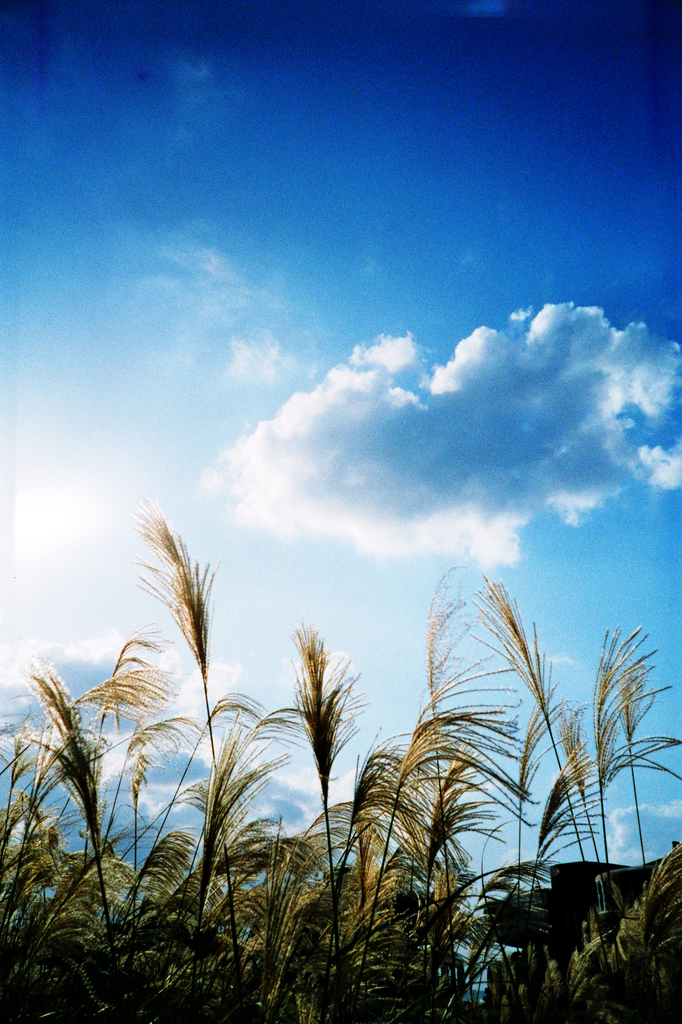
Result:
pixel 375 912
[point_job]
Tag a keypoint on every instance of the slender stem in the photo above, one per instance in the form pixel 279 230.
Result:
pixel 603 823
pixel 7 835
pixel 568 796
pixel 105 901
pixel 233 926
pixel 115 800
pixel 509 967
pixel 518 875
pixel 205 872
pixel 425 959
pixel 209 717
pixel 608 872
pixel 590 826
pixel 26 833
pixel 448 894
pixel 382 867
pixel 337 893
pixel 334 937
pixel 639 823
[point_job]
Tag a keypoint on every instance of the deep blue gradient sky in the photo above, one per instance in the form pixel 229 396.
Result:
pixel 207 207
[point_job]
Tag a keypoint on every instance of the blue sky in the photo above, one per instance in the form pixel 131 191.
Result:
pixel 356 296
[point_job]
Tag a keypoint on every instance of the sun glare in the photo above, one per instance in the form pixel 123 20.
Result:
pixel 49 518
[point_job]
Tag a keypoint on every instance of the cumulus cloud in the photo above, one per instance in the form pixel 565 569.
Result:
pixel 394 354
pixel 293 796
pixel 469 353
pixel 224 677
pixel 661 826
pixel 81 663
pixel 189 699
pixel 556 411
pixel 664 467
pixel 93 650
pixel 15 698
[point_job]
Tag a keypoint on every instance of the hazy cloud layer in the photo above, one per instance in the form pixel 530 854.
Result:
pixel 559 410
pixel 257 360
pixel 195 303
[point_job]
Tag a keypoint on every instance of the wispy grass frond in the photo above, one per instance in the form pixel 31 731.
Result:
pixel 619 666
pixel 325 702
pixel 286 907
pixel 240 705
pixel 239 774
pixel 444 631
pixel 150 743
pixel 529 759
pixel 166 866
pixel 439 812
pixel 571 730
pixel 479 735
pixel 636 700
pixel 137 688
pixel 77 754
pixel 373 785
pixel 505 880
pixel 661 908
pixel 21 758
pixel 182 584
pixel 573 739
pixel 558 815
pixel 500 615
pixel 78 757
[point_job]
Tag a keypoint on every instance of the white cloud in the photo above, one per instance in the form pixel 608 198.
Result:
pixel 661 825
pixel 561 659
pixel 572 508
pixel 156 796
pixel 15 696
pixel 665 467
pixel 394 354
pixel 90 653
pixel 555 411
pixel 521 314
pixel 294 796
pixel 399 397
pixel 199 301
pixel 224 677
pixel 189 699
pixel 468 353
pixel 203 285
pixel 258 361
pixel 92 650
